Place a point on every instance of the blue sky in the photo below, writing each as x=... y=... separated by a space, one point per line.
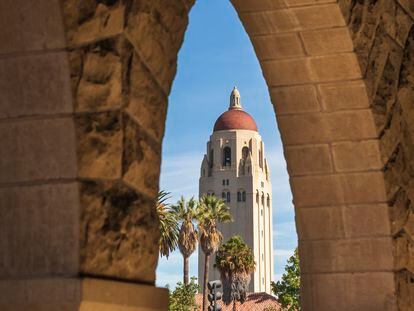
x=217 y=55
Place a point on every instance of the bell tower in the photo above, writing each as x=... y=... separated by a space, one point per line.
x=235 y=169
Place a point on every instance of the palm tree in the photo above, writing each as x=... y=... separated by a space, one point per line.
x=168 y=225
x=235 y=261
x=211 y=211
x=187 y=241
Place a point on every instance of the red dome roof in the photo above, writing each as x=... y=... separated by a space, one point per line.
x=235 y=119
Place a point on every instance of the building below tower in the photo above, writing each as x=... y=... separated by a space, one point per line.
x=235 y=169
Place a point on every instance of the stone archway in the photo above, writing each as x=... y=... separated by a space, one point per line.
x=85 y=87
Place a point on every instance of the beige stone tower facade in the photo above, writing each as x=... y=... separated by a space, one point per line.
x=235 y=169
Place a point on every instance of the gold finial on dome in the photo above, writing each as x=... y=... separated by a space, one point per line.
x=235 y=99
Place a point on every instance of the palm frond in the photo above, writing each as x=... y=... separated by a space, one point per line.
x=185 y=213
x=168 y=225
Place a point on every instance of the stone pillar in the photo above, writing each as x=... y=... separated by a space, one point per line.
x=84 y=95
x=332 y=151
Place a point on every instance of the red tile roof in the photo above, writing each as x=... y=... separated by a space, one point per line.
x=254 y=302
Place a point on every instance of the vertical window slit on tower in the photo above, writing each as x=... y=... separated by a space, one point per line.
x=226 y=156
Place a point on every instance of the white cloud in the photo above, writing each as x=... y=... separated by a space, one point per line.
x=180 y=173
x=280 y=259
x=284 y=230
x=283 y=253
x=277 y=277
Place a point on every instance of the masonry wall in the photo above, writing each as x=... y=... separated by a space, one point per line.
x=383 y=36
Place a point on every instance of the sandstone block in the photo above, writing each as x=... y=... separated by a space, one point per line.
x=349 y=291
x=30 y=25
x=292 y=3
x=338 y=189
x=327 y=41
x=189 y=3
x=118 y=295
x=119 y=232
x=398 y=23
x=343 y=95
x=35 y=85
x=252 y=5
x=157 y=37
x=311 y=69
x=366 y=220
x=391 y=137
x=335 y=222
x=99 y=144
x=39 y=230
x=308 y=160
x=346 y=255
x=294 y=19
x=405 y=289
x=404 y=252
x=335 y=67
x=320 y=223
x=47 y=291
x=294 y=99
x=147 y=104
x=322 y=128
x=408 y=6
x=105 y=22
x=100 y=87
x=277 y=46
x=37 y=149
x=287 y=72
x=141 y=159
x=357 y=156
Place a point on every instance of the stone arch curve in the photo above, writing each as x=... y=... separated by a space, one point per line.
x=93 y=140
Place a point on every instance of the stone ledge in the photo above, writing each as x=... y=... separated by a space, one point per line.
x=76 y=294
x=134 y=296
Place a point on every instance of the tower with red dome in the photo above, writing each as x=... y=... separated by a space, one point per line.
x=235 y=169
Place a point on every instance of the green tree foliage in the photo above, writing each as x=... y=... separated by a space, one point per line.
x=168 y=225
x=287 y=290
x=183 y=297
x=235 y=261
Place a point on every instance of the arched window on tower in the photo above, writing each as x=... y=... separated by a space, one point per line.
x=242 y=167
x=257 y=197
x=226 y=156
x=210 y=161
x=223 y=196
x=239 y=196
x=262 y=198
x=268 y=201
x=228 y=197
x=261 y=155
x=245 y=152
x=244 y=196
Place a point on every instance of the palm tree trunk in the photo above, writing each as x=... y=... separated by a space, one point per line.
x=234 y=304
x=205 y=281
x=185 y=272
